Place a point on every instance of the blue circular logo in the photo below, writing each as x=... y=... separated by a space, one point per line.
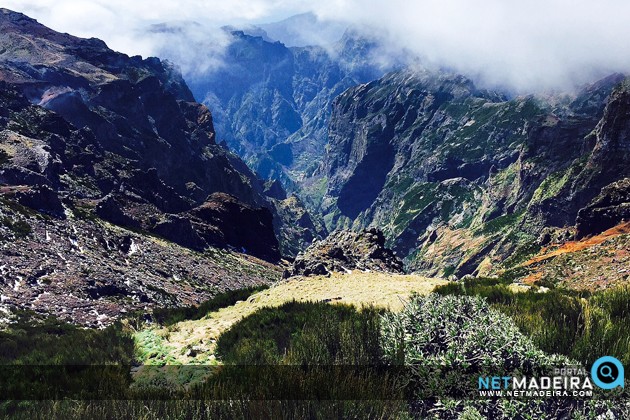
x=607 y=373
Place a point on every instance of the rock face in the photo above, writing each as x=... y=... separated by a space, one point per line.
x=609 y=209
x=272 y=103
x=224 y=219
x=463 y=180
x=346 y=250
x=81 y=122
x=91 y=137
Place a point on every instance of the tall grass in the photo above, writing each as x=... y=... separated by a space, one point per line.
x=579 y=325
x=299 y=333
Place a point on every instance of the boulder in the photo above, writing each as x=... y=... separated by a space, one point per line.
x=610 y=208
x=346 y=250
x=43 y=199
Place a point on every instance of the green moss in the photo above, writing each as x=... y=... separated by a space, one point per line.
x=555 y=182
x=20 y=228
x=500 y=223
x=150 y=349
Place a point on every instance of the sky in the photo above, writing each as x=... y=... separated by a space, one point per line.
x=526 y=45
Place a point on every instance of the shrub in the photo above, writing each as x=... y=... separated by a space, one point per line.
x=561 y=321
x=459 y=332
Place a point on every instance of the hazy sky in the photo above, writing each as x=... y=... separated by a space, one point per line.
x=525 y=44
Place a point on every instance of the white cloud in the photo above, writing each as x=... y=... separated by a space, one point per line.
x=528 y=45
x=531 y=44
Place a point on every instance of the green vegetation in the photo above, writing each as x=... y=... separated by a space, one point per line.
x=84 y=212
x=317 y=351
x=4 y=157
x=422 y=197
x=526 y=247
x=44 y=358
x=415 y=200
x=309 y=351
x=500 y=223
x=151 y=349
x=451 y=341
x=170 y=316
x=581 y=326
x=299 y=333
x=555 y=182
x=32 y=339
x=461 y=337
x=20 y=228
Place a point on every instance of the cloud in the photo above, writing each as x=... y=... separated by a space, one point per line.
x=186 y=32
x=526 y=45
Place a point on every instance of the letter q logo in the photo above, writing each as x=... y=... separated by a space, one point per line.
x=607 y=373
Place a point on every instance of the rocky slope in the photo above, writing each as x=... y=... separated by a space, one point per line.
x=91 y=272
x=93 y=135
x=464 y=180
x=344 y=251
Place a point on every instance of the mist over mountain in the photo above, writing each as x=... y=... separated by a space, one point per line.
x=305 y=29
x=464 y=180
x=271 y=103
x=529 y=47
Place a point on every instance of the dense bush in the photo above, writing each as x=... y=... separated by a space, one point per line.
x=579 y=325
x=300 y=333
x=460 y=332
x=452 y=340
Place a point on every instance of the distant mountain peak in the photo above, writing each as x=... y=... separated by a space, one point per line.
x=305 y=29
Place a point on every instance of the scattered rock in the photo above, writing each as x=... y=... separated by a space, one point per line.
x=345 y=250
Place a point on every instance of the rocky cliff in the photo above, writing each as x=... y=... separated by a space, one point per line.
x=464 y=180
x=90 y=136
x=344 y=251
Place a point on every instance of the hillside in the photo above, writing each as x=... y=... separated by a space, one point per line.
x=91 y=138
x=359 y=237
x=467 y=181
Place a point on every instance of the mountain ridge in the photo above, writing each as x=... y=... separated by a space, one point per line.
x=91 y=138
x=460 y=179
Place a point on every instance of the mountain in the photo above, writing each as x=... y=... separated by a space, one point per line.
x=271 y=103
x=91 y=138
x=464 y=180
